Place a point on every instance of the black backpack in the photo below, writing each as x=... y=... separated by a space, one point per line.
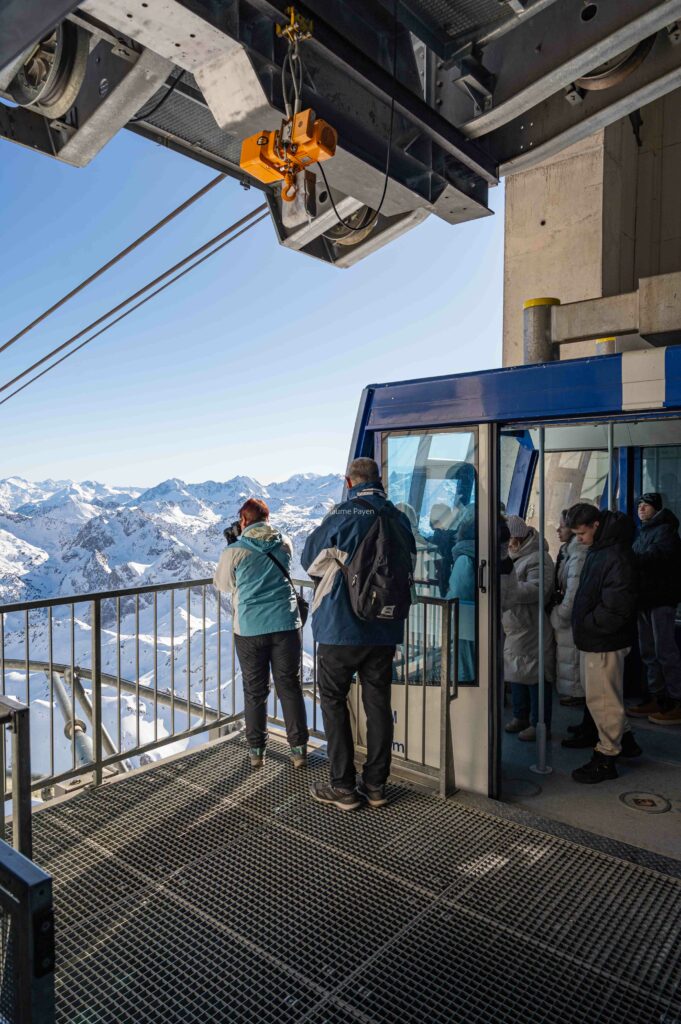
x=380 y=573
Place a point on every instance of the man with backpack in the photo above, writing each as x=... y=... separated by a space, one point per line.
x=362 y=558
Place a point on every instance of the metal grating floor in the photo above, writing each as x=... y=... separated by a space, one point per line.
x=200 y=891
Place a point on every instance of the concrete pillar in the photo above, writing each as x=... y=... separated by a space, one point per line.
x=594 y=219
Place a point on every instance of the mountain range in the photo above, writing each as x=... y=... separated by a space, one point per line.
x=61 y=537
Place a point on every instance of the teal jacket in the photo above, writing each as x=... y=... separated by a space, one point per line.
x=263 y=600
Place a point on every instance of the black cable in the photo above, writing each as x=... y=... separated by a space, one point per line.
x=171 y=90
x=132 y=309
x=377 y=211
x=135 y=295
x=116 y=259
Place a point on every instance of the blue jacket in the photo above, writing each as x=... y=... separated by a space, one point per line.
x=263 y=600
x=335 y=540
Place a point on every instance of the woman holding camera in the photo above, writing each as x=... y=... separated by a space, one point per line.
x=254 y=569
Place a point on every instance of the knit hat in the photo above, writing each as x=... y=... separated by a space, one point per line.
x=517 y=527
x=652 y=498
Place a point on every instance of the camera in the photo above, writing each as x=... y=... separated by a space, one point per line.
x=232 y=532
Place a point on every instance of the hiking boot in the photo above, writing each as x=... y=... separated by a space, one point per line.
x=343 y=799
x=649 y=707
x=298 y=756
x=572 y=702
x=374 y=795
x=529 y=735
x=670 y=717
x=630 y=747
x=516 y=725
x=256 y=756
x=580 y=741
x=599 y=769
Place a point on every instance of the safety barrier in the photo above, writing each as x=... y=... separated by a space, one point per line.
x=113 y=677
x=26 y=919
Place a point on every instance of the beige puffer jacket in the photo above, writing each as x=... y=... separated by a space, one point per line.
x=520 y=615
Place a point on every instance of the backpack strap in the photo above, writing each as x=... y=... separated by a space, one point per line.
x=279 y=566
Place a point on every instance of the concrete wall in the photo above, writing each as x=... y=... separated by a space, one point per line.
x=594 y=219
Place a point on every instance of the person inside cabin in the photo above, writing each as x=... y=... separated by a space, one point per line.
x=462 y=585
x=520 y=621
x=426 y=553
x=657 y=557
x=603 y=626
x=443 y=538
x=569 y=566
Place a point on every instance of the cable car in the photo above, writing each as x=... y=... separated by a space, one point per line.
x=532 y=440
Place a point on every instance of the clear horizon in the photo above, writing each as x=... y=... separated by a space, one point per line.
x=252 y=365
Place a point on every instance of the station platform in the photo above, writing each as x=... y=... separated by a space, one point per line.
x=199 y=891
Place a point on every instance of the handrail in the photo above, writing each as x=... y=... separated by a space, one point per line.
x=106 y=595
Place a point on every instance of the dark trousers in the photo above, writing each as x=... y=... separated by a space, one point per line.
x=525 y=702
x=279 y=652
x=337 y=665
x=659 y=652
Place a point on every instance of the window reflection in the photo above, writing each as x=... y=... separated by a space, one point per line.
x=431 y=477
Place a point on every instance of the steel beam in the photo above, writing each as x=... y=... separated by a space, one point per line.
x=355 y=63
x=559 y=45
x=24 y=22
x=556 y=123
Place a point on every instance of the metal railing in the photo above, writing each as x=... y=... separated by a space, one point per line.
x=26 y=917
x=112 y=677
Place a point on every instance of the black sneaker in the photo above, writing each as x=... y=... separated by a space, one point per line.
x=630 y=747
x=374 y=795
x=580 y=741
x=324 y=793
x=599 y=769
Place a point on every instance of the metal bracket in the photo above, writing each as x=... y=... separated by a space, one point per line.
x=574 y=95
x=674 y=33
x=476 y=81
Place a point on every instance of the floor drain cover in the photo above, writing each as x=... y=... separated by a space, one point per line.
x=651 y=803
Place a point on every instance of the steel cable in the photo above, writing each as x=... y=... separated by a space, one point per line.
x=131 y=298
x=132 y=309
x=116 y=259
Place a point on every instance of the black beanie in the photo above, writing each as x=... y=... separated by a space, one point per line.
x=652 y=498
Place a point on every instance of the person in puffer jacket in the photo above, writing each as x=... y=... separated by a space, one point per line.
x=267 y=628
x=657 y=556
x=568 y=571
x=520 y=621
x=603 y=625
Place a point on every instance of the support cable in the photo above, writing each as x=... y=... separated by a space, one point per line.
x=166 y=96
x=377 y=211
x=135 y=295
x=116 y=259
x=132 y=309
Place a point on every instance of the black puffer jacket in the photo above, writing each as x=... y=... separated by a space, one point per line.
x=604 y=612
x=657 y=555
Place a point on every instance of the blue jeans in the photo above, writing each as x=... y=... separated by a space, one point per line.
x=525 y=701
x=659 y=652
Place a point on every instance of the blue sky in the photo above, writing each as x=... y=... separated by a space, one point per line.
x=252 y=364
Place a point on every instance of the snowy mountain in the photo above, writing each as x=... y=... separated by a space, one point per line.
x=60 y=538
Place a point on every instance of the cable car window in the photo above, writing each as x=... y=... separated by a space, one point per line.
x=570 y=477
x=662 y=473
x=432 y=478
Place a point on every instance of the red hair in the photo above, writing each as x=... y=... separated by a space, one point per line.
x=254 y=511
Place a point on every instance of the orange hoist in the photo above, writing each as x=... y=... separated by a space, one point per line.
x=303 y=139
